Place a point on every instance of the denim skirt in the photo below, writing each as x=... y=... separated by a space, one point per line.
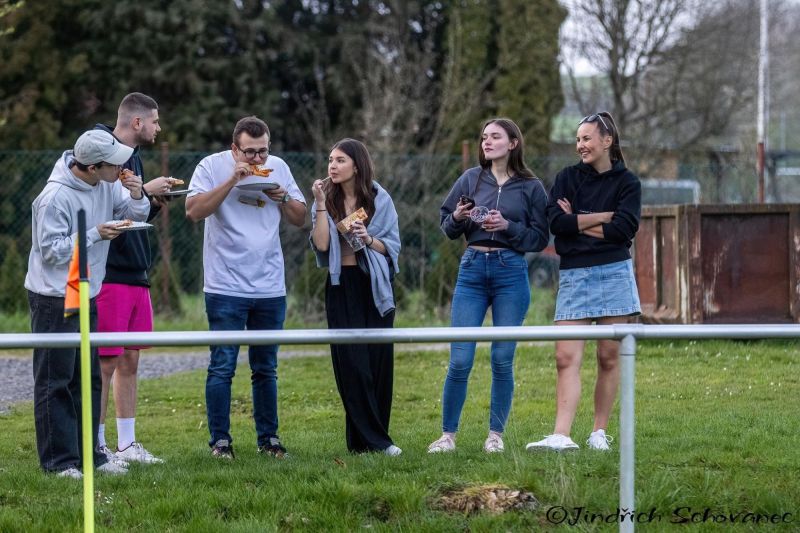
x=597 y=291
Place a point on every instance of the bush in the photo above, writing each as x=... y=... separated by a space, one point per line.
x=13 y=296
x=441 y=280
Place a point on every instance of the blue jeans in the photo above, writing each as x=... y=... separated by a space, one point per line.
x=226 y=313
x=498 y=280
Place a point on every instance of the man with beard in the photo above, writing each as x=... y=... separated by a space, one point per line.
x=124 y=300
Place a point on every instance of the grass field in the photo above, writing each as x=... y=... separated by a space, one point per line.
x=717 y=430
x=412 y=314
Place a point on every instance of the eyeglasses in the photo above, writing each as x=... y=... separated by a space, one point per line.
x=250 y=153
x=594 y=118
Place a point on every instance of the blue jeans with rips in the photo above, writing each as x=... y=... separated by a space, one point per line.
x=232 y=313
x=499 y=280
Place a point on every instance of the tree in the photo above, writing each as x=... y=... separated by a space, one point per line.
x=528 y=87
x=41 y=83
x=492 y=68
x=622 y=39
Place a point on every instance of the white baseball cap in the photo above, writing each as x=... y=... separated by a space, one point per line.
x=98 y=146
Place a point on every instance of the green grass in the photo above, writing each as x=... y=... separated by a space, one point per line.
x=413 y=313
x=716 y=428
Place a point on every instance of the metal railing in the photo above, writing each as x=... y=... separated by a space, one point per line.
x=627 y=333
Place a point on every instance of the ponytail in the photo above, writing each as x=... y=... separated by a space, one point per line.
x=609 y=127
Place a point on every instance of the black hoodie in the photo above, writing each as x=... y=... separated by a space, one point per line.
x=588 y=191
x=129 y=256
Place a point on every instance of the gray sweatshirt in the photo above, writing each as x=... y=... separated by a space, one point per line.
x=521 y=201
x=55 y=227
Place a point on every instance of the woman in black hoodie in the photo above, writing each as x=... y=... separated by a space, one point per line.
x=593 y=211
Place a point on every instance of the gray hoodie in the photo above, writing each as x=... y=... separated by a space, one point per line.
x=521 y=201
x=55 y=227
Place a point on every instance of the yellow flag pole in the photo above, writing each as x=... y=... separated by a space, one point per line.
x=86 y=381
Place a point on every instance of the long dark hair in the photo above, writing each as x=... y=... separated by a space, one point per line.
x=516 y=157
x=607 y=126
x=365 y=170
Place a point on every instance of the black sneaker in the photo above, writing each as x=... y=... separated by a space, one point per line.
x=222 y=449
x=274 y=448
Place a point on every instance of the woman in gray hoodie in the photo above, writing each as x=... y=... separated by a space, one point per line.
x=499 y=208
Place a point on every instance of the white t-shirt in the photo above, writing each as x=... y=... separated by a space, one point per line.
x=242 y=253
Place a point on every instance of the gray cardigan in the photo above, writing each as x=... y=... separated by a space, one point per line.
x=383 y=226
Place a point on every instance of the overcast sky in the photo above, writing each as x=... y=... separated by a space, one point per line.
x=581 y=65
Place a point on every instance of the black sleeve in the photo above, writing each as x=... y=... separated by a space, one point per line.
x=625 y=222
x=451 y=227
x=560 y=222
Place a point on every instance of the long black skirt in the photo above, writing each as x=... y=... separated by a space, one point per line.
x=364 y=372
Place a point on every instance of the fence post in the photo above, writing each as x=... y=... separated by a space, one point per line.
x=627 y=413
x=165 y=239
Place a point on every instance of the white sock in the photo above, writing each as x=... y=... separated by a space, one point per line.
x=126 y=433
x=101 y=436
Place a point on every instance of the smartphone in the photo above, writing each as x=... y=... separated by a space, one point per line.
x=466 y=200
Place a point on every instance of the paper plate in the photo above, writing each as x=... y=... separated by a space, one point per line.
x=265 y=186
x=173 y=193
x=133 y=227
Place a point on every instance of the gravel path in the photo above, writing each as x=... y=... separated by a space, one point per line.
x=16 y=374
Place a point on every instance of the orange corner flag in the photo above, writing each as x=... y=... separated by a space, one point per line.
x=72 y=301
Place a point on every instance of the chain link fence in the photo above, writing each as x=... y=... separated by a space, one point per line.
x=417 y=183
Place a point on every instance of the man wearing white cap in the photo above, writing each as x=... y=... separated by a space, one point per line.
x=84 y=178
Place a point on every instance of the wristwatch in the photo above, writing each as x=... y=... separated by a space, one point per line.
x=285 y=198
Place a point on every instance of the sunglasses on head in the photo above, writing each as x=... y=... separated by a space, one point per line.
x=595 y=118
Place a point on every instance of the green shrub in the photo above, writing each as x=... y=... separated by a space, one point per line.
x=13 y=296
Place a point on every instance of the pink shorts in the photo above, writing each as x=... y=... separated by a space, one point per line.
x=123 y=308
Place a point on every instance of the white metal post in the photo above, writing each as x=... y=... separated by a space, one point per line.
x=763 y=101
x=627 y=502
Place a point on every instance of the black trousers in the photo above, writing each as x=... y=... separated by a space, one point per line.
x=57 y=388
x=364 y=372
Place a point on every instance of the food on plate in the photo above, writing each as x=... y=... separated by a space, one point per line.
x=127 y=223
x=260 y=171
x=176 y=181
x=346 y=223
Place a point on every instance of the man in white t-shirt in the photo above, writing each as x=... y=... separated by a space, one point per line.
x=243 y=267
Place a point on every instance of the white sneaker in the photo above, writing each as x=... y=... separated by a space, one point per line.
x=72 y=472
x=494 y=444
x=598 y=440
x=136 y=453
x=112 y=467
x=445 y=443
x=555 y=442
x=112 y=457
x=393 y=451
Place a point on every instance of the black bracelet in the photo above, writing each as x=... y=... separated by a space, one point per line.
x=371 y=240
x=321 y=210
